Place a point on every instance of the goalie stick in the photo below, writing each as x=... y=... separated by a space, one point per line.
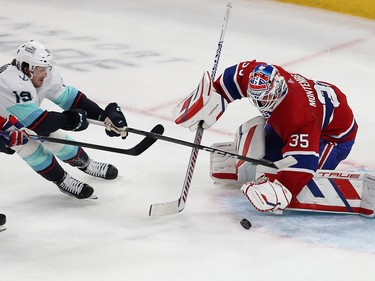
x=179 y=204
x=286 y=162
x=136 y=150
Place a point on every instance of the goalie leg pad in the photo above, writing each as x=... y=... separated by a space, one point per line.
x=334 y=191
x=223 y=167
x=368 y=197
x=250 y=140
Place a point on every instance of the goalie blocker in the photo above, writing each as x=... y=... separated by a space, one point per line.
x=204 y=105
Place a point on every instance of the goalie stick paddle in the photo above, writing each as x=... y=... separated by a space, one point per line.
x=136 y=150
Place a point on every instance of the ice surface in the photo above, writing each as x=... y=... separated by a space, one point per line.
x=148 y=55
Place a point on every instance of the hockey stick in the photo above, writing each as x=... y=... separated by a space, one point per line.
x=134 y=151
x=179 y=204
x=286 y=162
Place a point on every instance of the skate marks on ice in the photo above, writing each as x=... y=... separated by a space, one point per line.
x=351 y=232
x=89 y=52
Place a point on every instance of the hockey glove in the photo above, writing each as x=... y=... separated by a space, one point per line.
x=12 y=133
x=115 y=122
x=17 y=137
x=267 y=196
x=77 y=120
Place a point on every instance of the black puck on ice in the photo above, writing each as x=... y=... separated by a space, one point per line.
x=245 y=223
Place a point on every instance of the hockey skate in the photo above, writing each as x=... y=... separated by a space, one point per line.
x=100 y=170
x=3 y=220
x=73 y=187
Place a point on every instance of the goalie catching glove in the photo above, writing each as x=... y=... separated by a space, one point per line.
x=115 y=121
x=202 y=105
x=267 y=196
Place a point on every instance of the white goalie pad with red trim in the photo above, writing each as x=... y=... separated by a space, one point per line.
x=223 y=167
x=249 y=142
x=203 y=104
x=334 y=192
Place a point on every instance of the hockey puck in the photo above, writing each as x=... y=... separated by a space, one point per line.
x=245 y=223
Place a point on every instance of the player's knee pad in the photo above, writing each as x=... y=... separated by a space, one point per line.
x=250 y=142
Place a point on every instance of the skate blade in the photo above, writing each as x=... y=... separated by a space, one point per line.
x=93 y=197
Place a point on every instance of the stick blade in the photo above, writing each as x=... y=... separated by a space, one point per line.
x=147 y=142
x=167 y=208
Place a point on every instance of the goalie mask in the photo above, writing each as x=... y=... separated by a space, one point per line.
x=266 y=88
x=34 y=54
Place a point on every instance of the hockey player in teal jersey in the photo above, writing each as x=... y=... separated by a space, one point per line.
x=31 y=77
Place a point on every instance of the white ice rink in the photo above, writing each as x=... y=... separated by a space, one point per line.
x=147 y=55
